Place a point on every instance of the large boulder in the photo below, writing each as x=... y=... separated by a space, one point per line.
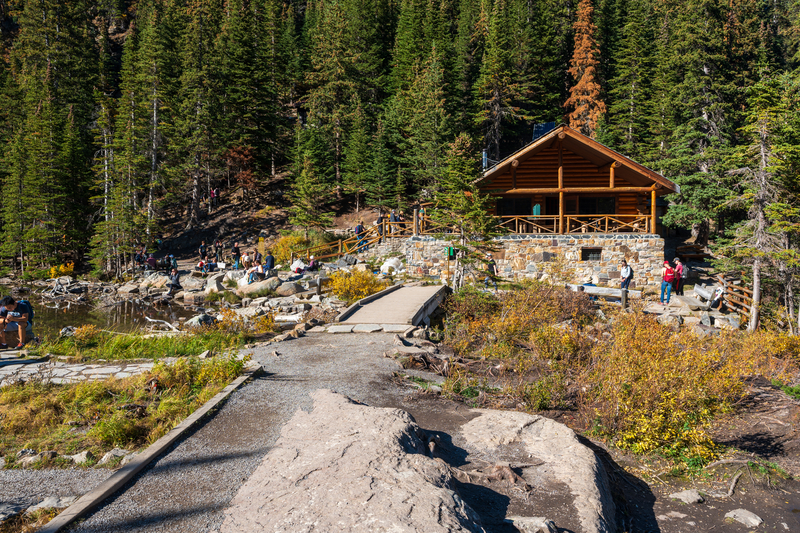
x=289 y=288
x=201 y=320
x=250 y=312
x=354 y=468
x=128 y=289
x=157 y=280
x=190 y=283
x=271 y=284
x=214 y=285
x=562 y=454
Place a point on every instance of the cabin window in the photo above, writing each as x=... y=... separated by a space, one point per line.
x=514 y=207
x=591 y=254
x=604 y=205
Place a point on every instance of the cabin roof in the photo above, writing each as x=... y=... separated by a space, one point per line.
x=588 y=149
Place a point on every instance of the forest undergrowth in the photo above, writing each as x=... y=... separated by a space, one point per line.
x=98 y=415
x=619 y=376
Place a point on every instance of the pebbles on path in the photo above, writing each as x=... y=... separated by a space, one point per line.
x=186 y=489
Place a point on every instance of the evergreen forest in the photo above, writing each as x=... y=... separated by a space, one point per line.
x=112 y=111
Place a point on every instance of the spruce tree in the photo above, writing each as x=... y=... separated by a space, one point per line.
x=310 y=197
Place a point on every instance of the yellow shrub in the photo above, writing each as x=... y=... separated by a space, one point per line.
x=264 y=324
x=352 y=286
x=655 y=389
x=87 y=334
x=62 y=270
x=283 y=248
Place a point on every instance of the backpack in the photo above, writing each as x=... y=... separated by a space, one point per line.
x=359 y=229
x=30 y=309
x=669 y=274
x=684 y=271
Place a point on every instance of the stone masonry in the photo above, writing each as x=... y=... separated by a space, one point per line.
x=534 y=256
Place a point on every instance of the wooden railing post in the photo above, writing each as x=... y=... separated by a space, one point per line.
x=416 y=222
x=653 y=211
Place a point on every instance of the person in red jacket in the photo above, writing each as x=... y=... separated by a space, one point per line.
x=667 y=277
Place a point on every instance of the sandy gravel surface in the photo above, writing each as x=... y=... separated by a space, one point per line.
x=186 y=489
x=29 y=487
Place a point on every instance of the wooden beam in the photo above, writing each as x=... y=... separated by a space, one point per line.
x=610 y=177
x=561 y=212
x=653 y=211
x=514 y=165
x=612 y=164
x=570 y=190
x=561 y=136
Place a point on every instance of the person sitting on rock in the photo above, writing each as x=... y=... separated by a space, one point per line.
x=246 y=260
x=313 y=265
x=174 y=283
x=202 y=266
x=256 y=273
x=151 y=262
x=15 y=316
x=269 y=261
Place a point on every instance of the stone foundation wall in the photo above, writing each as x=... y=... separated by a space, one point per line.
x=534 y=256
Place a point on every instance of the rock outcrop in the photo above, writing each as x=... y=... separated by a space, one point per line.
x=349 y=467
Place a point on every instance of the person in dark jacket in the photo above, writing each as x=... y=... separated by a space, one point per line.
x=269 y=261
x=174 y=282
x=15 y=316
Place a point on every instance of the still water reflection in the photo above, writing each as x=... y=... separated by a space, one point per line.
x=50 y=316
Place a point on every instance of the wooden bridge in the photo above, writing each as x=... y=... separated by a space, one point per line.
x=392 y=310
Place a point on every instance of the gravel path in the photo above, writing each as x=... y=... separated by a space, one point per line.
x=186 y=489
x=29 y=487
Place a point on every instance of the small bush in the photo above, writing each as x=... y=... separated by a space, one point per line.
x=352 y=286
x=87 y=335
x=62 y=270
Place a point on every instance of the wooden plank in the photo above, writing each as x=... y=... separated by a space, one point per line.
x=653 y=211
x=576 y=190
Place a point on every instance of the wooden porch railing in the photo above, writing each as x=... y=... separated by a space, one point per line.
x=515 y=224
x=606 y=224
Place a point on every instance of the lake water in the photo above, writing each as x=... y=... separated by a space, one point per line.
x=51 y=317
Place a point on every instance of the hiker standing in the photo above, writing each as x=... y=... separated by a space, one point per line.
x=667 y=277
x=680 y=274
x=625 y=274
x=203 y=251
x=235 y=255
x=491 y=271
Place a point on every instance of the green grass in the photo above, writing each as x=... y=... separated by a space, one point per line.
x=227 y=296
x=100 y=415
x=103 y=345
x=265 y=292
x=794 y=392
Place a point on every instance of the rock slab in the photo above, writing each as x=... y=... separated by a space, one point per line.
x=688 y=496
x=743 y=516
x=349 y=467
x=555 y=444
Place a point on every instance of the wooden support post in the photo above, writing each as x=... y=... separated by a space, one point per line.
x=416 y=221
x=611 y=177
x=560 y=186
x=514 y=165
x=653 y=211
x=624 y=298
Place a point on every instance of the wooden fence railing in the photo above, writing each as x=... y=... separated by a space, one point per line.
x=736 y=296
x=516 y=224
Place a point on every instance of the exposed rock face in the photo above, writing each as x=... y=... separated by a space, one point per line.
x=288 y=288
x=571 y=462
x=201 y=320
x=271 y=284
x=349 y=467
x=214 y=285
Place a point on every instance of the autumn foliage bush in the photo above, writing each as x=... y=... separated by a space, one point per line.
x=639 y=384
x=352 y=286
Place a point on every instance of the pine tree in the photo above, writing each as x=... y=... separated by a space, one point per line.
x=425 y=125
x=585 y=96
x=356 y=158
x=630 y=112
x=460 y=207
x=502 y=88
x=310 y=197
x=381 y=172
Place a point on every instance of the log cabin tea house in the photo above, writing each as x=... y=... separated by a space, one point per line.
x=567 y=195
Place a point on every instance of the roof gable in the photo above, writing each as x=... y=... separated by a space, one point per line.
x=591 y=152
